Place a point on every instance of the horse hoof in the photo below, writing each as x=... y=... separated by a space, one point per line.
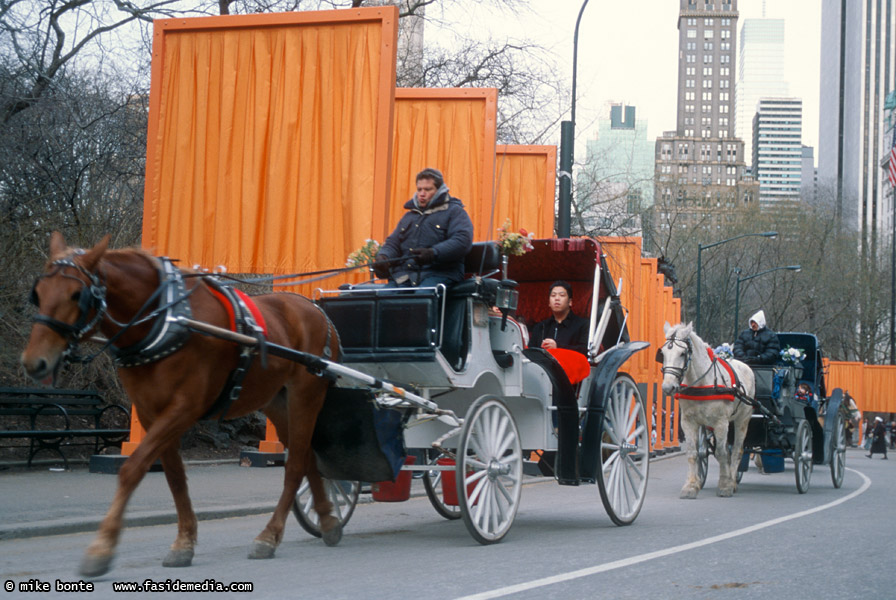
x=178 y=558
x=262 y=550
x=689 y=493
x=332 y=537
x=94 y=566
x=725 y=493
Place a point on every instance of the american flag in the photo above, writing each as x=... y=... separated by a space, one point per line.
x=893 y=161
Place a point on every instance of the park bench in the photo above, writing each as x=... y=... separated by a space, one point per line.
x=53 y=418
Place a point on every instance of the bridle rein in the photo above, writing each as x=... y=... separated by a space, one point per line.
x=677 y=372
x=91 y=297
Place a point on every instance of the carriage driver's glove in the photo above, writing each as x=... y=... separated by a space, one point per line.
x=381 y=266
x=423 y=256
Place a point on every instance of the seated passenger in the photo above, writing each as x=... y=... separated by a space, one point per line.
x=563 y=329
x=430 y=241
x=804 y=394
x=757 y=345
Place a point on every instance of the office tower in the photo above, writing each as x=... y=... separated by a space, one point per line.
x=760 y=74
x=858 y=40
x=700 y=168
x=777 y=150
x=616 y=182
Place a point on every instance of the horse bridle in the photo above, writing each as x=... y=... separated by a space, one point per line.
x=92 y=297
x=677 y=372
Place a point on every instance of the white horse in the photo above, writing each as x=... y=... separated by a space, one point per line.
x=689 y=370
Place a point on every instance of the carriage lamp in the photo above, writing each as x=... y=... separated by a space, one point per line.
x=506 y=299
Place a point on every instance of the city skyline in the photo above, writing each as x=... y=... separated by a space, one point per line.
x=632 y=59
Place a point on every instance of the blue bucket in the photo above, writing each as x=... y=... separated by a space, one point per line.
x=772 y=461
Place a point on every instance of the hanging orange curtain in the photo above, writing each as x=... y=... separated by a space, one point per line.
x=452 y=130
x=269 y=138
x=525 y=184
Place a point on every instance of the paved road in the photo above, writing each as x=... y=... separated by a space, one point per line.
x=766 y=542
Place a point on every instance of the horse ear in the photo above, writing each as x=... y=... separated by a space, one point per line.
x=92 y=256
x=57 y=244
x=666 y=328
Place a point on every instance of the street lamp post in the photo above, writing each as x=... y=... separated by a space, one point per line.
x=567 y=141
x=796 y=268
x=701 y=248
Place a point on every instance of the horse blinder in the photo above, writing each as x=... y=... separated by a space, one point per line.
x=659 y=355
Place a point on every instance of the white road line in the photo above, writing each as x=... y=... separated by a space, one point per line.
x=626 y=562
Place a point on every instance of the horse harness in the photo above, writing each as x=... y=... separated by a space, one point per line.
x=716 y=391
x=167 y=335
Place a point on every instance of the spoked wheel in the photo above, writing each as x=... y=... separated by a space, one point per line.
x=838 y=451
x=705 y=445
x=802 y=457
x=624 y=452
x=342 y=494
x=489 y=472
x=432 y=482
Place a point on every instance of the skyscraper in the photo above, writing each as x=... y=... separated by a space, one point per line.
x=616 y=181
x=699 y=167
x=858 y=40
x=777 y=149
x=760 y=74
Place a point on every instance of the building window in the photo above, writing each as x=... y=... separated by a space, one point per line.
x=725 y=59
x=724 y=71
x=707 y=71
x=689 y=95
x=707 y=46
x=691 y=71
x=725 y=22
x=689 y=83
x=692 y=45
x=723 y=96
x=692 y=33
x=692 y=22
x=707 y=59
x=708 y=22
x=707 y=97
x=688 y=108
x=725 y=34
x=725 y=46
x=724 y=83
x=690 y=58
x=723 y=108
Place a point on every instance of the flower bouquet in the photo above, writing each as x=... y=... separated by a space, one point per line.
x=514 y=243
x=724 y=351
x=792 y=355
x=364 y=255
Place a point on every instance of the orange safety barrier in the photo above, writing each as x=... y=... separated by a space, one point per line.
x=525 y=184
x=269 y=140
x=452 y=130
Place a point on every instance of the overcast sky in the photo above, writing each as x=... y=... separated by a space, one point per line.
x=628 y=52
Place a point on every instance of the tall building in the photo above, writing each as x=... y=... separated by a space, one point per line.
x=808 y=176
x=760 y=73
x=616 y=182
x=888 y=166
x=699 y=167
x=858 y=40
x=778 y=149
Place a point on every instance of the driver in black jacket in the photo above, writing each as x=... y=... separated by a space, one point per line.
x=757 y=345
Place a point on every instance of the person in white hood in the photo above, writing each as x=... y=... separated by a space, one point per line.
x=757 y=345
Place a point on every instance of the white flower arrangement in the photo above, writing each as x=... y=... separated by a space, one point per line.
x=724 y=351
x=793 y=355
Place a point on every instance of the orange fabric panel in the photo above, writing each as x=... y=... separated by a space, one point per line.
x=269 y=138
x=525 y=184
x=452 y=130
x=850 y=377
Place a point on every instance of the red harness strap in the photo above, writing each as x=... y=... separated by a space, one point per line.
x=253 y=308
x=711 y=392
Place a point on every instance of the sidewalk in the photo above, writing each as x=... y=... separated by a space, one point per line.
x=40 y=501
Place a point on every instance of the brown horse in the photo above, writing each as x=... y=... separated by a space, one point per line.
x=107 y=290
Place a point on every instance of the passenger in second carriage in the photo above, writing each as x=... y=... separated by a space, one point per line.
x=564 y=328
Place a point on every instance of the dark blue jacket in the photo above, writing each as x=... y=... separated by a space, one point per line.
x=444 y=226
x=758 y=347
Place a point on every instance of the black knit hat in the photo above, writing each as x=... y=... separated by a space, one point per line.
x=434 y=174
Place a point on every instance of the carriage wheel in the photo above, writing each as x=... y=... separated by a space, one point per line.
x=489 y=473
x=802 y=456
x=624 y=452
x=838 y=451
x=432 y=483
x=704 y=443
x=342 y=494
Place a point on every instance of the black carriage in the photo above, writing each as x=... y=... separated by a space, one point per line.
x=447 y=373
x=809 y=430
